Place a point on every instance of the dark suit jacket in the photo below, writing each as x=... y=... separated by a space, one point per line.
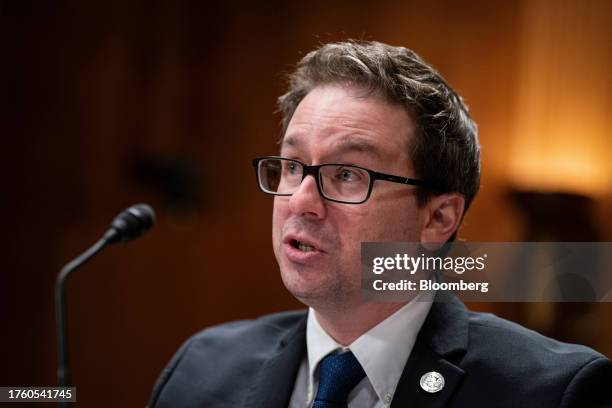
x=486 y=362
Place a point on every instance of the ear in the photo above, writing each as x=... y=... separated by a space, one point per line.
x=442 y=217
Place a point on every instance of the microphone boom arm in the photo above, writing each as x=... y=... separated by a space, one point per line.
x=128 y=225
x=63 y=373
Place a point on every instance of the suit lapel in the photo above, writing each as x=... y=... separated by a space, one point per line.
x=441 y=340
x=409 y=392
x=273 y=385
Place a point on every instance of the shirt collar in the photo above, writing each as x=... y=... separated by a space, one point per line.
x=318 y=344
x=382 y=351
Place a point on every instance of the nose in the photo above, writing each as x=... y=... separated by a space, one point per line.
x=306 y=200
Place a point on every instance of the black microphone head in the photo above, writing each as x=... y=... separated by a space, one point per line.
x=131 y=223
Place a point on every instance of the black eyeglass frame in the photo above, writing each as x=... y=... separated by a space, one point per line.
x=315 y=172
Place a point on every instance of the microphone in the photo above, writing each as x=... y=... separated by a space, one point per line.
x=128 y=225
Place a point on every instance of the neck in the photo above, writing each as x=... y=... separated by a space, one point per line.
x=345 y=325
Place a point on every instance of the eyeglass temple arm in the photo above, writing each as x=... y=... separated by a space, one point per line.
x=402 y=180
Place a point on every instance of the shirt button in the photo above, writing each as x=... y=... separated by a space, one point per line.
x=388 y=399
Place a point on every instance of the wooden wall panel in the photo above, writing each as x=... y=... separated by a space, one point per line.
x=108 y=105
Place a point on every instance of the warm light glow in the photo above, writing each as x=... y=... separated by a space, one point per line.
x=562 y=173
x=562 y=131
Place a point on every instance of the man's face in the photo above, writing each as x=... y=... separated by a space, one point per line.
x=341 y=124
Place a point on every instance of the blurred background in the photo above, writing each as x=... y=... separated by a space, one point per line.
x=105 y=104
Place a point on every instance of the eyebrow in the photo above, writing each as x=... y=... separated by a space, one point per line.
x=345 y=145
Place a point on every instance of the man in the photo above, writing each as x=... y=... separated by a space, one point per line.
x=376 y=147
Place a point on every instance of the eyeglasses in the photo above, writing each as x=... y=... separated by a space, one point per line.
x=340 y=183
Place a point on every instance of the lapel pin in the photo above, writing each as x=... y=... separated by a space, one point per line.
x=432 y=381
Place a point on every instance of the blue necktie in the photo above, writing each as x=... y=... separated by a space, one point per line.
x=338 y=375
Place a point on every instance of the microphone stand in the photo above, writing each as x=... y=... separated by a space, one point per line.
x=63 y=371
x=128 y=225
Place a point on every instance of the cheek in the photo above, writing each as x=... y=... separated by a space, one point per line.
x=279 y=211
x=352 y=226
x=380 y=220
x=401 y=222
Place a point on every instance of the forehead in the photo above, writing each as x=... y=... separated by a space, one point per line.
x=338 y=118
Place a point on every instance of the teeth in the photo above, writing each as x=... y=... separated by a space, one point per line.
x=305 y=247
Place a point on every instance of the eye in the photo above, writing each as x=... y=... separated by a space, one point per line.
x=292 y=167
x=348 y=174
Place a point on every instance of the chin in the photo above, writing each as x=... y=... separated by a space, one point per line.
x=304 y=287
x=315 y=289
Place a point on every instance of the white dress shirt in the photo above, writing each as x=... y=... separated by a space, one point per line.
x=382 y=352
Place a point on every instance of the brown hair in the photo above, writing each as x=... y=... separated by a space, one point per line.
x=445 y=151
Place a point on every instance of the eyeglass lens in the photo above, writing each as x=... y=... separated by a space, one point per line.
x=338 y=182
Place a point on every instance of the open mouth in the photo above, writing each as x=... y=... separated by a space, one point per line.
x=302 y=246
